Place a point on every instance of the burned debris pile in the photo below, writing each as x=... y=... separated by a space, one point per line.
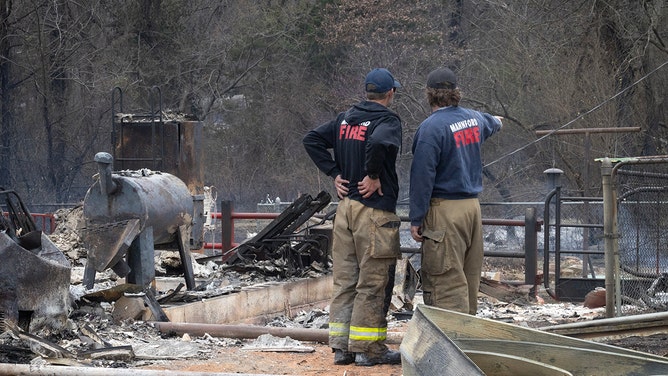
x=102 y=274
x=284 y=248
x=98 y=327
x=117 y=324
x=34 y=274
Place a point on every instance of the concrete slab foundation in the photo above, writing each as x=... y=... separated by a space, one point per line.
x=255 y=305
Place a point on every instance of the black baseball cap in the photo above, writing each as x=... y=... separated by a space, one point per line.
x=442 y=78
x=380 y=80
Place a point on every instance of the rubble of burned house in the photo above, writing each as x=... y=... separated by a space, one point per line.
x=100 y=290
x=116 y=324
x=108 y=325
x=34 y=274
x=107 y=265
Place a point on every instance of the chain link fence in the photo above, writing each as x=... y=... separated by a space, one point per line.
x=642 y=220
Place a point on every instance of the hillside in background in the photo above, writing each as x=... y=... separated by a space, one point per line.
x=260 y=74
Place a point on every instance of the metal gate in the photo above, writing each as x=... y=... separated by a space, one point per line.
x=573 y=250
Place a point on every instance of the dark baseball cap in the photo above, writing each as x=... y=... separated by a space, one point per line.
x=442 y=78
x=380 y=80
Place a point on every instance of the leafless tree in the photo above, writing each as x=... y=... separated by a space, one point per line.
x=260 y=74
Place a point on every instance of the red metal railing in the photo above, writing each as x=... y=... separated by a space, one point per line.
x=46 y=221
x=530 y=222
x=227 y=217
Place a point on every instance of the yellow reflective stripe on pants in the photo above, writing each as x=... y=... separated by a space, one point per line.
x=338 y=329
x=367 y=334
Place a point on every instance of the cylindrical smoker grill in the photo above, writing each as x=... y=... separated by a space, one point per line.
x=133 y=213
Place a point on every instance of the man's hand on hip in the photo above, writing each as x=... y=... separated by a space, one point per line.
x=368 y=186
x=341 y=186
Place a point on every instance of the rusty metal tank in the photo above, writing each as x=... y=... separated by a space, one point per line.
x=159 y=200
x=142 y=208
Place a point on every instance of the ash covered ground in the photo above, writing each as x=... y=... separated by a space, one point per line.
x=93 y=325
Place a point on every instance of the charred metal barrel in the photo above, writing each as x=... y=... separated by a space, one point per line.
x=159 y=200
x=135 y=212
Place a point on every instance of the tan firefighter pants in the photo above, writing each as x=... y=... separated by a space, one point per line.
x=452 y=254
x=364 y=252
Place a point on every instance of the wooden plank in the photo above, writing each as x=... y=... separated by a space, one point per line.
x=458 y=325
x=509 y=365
x=426 y=351
x=578 y=361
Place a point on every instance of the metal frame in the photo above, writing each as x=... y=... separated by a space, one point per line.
x=155 y=119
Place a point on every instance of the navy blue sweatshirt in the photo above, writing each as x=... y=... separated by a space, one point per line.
x=366 y=140
x=447 y=161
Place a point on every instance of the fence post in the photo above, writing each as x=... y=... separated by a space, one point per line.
x=227 y=225
x=610 y=236
x=530 y=249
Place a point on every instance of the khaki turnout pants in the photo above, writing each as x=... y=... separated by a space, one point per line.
x=364 y=252
x=452 y=254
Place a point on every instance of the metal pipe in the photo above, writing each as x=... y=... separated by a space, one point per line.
x=252 y=331
x=104 y=161
x=28 y=369
x=506 y=254
x=610 y=236
x=242 y=331
x=240 y=215
x=588 y=130
x=227 y=215
x=531 y=249
x=546 y=244
x=557 y=241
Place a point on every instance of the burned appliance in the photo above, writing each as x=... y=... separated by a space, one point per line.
x=129 y=214
x=34 y=273
x=285 y=247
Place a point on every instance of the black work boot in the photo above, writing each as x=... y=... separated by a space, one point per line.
x=342 y=357
x=388 y=357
